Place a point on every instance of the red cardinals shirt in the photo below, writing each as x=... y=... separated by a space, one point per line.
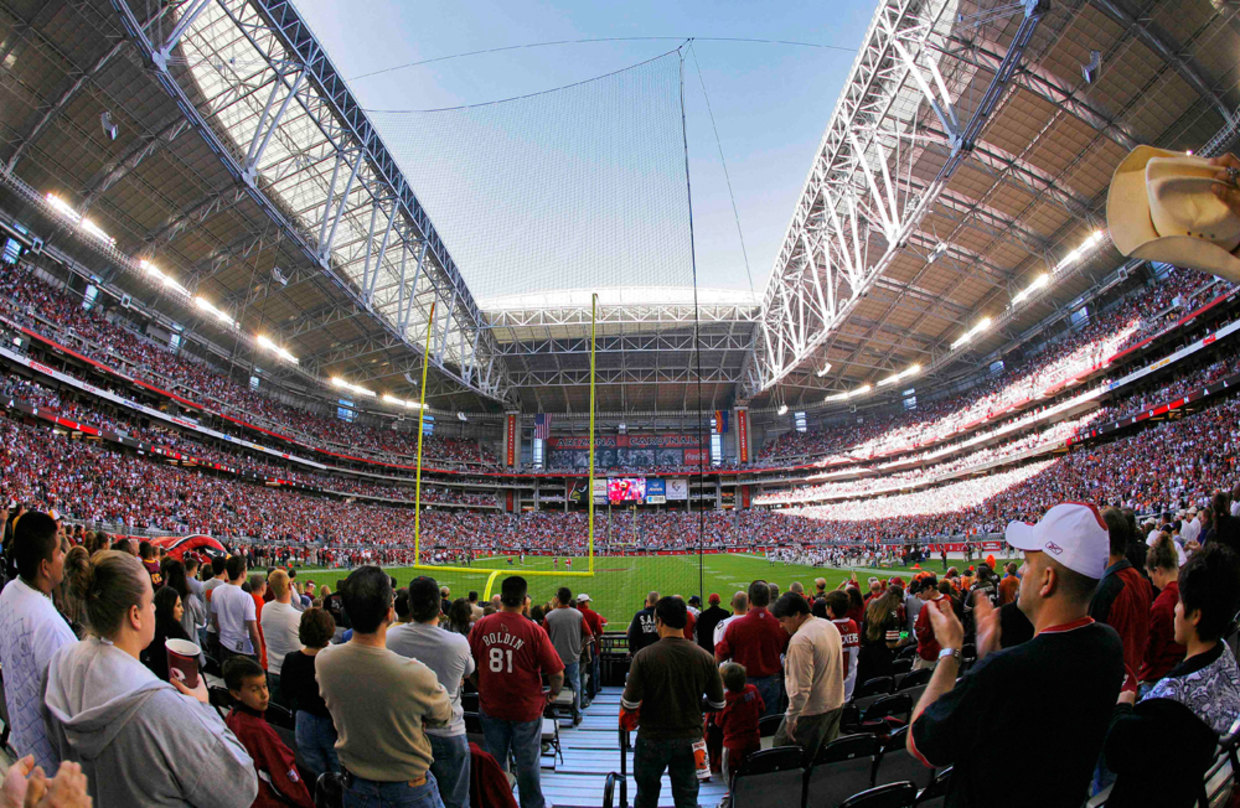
x=755 y=641
x=511 y=652
x=850 y=642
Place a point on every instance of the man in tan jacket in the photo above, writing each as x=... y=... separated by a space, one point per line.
x=813 y=677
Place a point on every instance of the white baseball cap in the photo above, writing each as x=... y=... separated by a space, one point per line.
x=1072 y=533
x=583 y=598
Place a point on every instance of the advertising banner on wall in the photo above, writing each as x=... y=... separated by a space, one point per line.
x=677 y=489
x=656 y=491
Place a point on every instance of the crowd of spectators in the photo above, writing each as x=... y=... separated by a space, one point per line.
x=1071 y=356
x=40 y=305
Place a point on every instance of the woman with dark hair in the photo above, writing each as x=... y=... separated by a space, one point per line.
x=856 y=604
x=136 y=736
x=168 y=614
x=1195 y=703
x=880 y=635
x=315 y=733
x=194 y=612
x=459 y=617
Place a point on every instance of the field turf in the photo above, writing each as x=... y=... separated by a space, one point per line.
x=620 y=583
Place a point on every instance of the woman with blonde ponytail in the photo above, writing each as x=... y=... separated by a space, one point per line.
x=140 y=741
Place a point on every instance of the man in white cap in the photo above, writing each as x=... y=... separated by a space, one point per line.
x=1057 y=690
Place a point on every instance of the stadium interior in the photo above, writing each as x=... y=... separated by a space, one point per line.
x=229 y=326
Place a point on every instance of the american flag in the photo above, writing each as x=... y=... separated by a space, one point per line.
x=542 y=426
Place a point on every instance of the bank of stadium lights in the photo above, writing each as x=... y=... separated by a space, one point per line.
x=847 y=394
x=1039 y=282
x=207 y=306
x=408 y=404
x=267 y=344
x=86 y=225
x=353 y=388
x=1076 y=255
x=981 y=326
x=911 y=370
x=161 y=276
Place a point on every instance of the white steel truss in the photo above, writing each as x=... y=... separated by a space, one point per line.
x=252 y=80
x=861 y=203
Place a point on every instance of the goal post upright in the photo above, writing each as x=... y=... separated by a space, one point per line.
x=590 y=485
x=417 y=478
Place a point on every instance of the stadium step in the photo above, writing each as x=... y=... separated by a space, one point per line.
x=591 y=751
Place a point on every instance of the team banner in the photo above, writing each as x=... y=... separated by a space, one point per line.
x=510 y=440
x=742 y=436
x=677 y=489
x=656 y=491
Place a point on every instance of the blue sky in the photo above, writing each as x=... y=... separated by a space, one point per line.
x=771 y=104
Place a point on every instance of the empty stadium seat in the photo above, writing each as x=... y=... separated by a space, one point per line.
x=280 y=716
x=895 y=763
x=767 y=726
x=770 y=778
x=897 y=705
x=915 y=678
x=901 y=665
x=877 y=686
x=891 y=795
x=842 y=768
x=935 y=794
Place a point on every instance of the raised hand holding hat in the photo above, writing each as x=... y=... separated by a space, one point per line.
x=1178 y=209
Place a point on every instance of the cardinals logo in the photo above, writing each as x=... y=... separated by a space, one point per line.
x=1051 y=547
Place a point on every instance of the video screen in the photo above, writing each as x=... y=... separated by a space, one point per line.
x=626 y=489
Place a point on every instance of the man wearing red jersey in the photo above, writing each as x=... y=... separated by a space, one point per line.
x=511 y=653
x=850 y=637
x=757 y=641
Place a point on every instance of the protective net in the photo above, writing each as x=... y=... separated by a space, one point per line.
x=582 y=187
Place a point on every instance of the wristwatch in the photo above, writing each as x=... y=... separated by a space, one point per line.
x=954 y=653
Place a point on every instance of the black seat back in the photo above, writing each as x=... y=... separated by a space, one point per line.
x=874 y=687
x=770 y=778
x=898 y=705
x=935 y=794
x=915 y=678
x=842 y=768
x=895 y=764
x=891 y=795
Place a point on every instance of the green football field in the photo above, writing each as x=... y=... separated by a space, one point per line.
x=619 y=584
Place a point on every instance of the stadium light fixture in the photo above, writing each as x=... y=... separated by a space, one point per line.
x=352 y=388
x=206 y=305
x=1038 y=283
x=96 y=231
x=981 y=326
x=836 y=397
x=388 y=398
x=460 y=416
x=860 y=391
x=937 y=252
x=783 y=409
x=1079 y=252
x=63 y=208
x=268 y=344
x=823 y=371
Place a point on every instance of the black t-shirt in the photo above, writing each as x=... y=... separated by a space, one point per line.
x=642 y=631
x=298 y=685
x=1040 y=708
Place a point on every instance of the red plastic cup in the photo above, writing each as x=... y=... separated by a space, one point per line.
x=183 y=661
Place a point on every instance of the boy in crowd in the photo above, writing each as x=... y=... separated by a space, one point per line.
x=739 y=719
x=279 y=783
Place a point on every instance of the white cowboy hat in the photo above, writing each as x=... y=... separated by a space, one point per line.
x=1160 y=207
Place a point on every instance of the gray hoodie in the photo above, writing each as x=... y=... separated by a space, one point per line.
x=139 y=740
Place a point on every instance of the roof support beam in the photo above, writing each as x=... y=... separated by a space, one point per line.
x=1160 y=41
